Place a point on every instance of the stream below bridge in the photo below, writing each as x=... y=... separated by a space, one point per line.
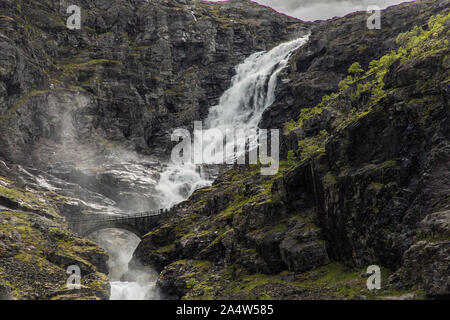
x=240 y=108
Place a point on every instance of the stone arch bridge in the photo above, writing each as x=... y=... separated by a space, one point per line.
x=137 y=223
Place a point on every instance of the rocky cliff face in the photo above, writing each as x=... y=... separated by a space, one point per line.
x=36 y=249
x=80 y=104
x=366 y=145
x=86 y=118
x=135 y=69
x=319 y=66
x=81 y=110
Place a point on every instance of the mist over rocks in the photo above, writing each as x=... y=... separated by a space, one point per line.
x=364 y=175
x=92 y=101
x=86 y=117
x=163 y=68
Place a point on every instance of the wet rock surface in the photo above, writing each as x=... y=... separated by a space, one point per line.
x=35 y=253
x=86 y=115
x=86 y=118
x=93 y=117
x=317 y=68
x=364 y=181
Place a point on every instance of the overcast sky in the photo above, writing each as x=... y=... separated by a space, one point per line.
x=323 y=9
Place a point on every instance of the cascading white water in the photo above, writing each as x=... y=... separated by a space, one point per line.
x=240 y=108
x=177 y=183
x=252 y=89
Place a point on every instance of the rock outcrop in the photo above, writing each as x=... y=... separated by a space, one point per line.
x=86 y=117
x=364 y=182
x=135 y=70
x=36 y=250
x=82 y=110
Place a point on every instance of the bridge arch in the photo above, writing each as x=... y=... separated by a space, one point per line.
x=121 y=226
x=138 y=224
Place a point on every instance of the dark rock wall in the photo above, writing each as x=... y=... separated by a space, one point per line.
x=96 y=96
x=140 y=67
x=369 y=183
x=317 y=68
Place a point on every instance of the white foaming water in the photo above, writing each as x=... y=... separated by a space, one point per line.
x=252 y=89
x=240 y=108
x=177 y=183
x=138 y=284
x=124 y=290
x=121 y=290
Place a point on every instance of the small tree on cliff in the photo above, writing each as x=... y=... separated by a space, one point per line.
x=355 y=69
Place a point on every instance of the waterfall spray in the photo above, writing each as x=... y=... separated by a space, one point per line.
x=240 y=109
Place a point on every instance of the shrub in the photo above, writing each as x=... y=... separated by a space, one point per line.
x=355 y=68
x=190 y=283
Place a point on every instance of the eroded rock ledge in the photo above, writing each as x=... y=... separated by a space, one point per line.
x=78 y=109
x=364 y=181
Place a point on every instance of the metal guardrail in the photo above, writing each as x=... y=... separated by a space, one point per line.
x=118 y=217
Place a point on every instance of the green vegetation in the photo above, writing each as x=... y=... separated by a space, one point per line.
x=305 y=114
x=389 y=164
x=190 y=283
x=313 y=146
x=29 y=200
x=291 y=158
x=358 y=83
x=414 y=44
x=41 y=253
x=34 y=262
x=355 y=68
x=167 y=248
x=419 y=42
x=331 y=281
x=21 y=101
x=330 y=178
x=309 y=113
x=265 y=296
x=71 y=68
x=352 y=117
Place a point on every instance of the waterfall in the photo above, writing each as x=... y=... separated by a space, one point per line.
x=252 y=89
x=240 y=108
